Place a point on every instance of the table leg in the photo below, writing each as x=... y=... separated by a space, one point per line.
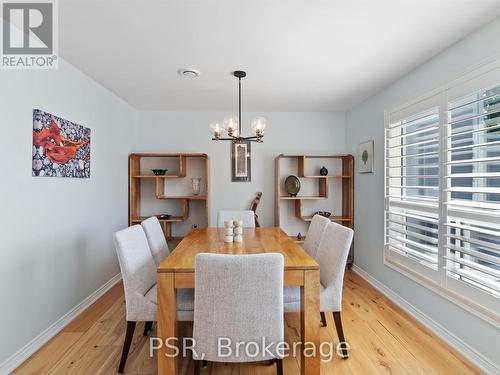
x=309 y=321
x=167 y=322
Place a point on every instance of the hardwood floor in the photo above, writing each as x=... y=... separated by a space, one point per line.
x=383 y=339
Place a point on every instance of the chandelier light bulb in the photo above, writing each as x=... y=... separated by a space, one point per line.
x=231 y=125
x=258 y=126
x=216 y=129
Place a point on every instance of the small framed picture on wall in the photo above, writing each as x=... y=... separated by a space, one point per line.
x=365 y=157
x=241 y=162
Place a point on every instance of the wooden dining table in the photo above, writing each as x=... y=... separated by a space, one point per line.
x=178 y=271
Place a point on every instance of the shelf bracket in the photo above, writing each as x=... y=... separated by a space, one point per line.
x=323 y=187
x=160 y=188
x=182 y=166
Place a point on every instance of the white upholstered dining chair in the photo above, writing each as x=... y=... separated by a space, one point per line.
x=315 y=234
x=156 y=239
x=246 y=216
x=239 y=298
x=332 y=258
x=139 y=281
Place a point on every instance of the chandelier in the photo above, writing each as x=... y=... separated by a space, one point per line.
x=232 y=125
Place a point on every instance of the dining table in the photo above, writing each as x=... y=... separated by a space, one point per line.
x=178 y=271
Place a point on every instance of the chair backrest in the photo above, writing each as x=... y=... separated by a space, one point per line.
x=332 y=255
x=156 y=239
x=238 y=297
x=136 y=263
x=248 y=218
x=315 y=234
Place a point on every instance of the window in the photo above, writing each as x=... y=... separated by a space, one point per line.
x=412 y=151
x=442 y=192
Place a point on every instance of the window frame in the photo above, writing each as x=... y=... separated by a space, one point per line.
x=458 y=292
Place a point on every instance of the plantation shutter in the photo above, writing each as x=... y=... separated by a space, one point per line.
x=442 y=191
x=472 y=173
x=412 y=188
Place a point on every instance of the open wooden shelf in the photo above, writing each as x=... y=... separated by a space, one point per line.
x=158 y=177
x=299 y=198
x=177 y=164
x=299 y=207
x=332 y=177
x=332 y=218
x=187 y=197
x=172 y=219
x=343 y=172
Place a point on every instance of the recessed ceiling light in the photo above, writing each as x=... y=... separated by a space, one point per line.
x=190 y=73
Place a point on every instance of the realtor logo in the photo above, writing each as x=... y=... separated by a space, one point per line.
x=29 y=39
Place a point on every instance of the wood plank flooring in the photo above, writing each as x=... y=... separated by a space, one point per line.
x=383 y=339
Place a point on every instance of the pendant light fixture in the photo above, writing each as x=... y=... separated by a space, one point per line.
x=232 y=125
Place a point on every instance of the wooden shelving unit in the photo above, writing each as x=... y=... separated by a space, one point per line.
x=343 y=189
x=140 y=178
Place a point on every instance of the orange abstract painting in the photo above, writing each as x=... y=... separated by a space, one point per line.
x=61 y=148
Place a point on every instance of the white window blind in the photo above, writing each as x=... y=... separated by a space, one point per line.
x=442 y=192
x=412 y=182
x=473 y=192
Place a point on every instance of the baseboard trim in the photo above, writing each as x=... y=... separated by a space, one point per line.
x=455 y=342
x=14 y=361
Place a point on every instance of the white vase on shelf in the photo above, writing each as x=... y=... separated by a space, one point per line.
x=196 y=185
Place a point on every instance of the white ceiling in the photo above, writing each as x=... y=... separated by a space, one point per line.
x=300 y=55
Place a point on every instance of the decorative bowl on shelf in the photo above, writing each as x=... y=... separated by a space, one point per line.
x=159 y=172
x=324 y=213
x=292 y=185
x=163 y=217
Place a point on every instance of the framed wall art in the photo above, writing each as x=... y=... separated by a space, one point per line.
x=365 y=157
x=241 y=162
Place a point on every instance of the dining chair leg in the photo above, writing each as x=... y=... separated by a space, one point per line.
x=340 y=333
x=126 y=345
x=279 y=366
x=197 y=367
x=147 y=327
x=323 y=319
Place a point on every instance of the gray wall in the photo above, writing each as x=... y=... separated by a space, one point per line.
x=56 y=233
x=286 y=133
x=366 y=122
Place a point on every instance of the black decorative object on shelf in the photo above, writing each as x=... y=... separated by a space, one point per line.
x=163 y=217
x=324 y=213
x=159 y=172
x=292 y=185
x=323 y=171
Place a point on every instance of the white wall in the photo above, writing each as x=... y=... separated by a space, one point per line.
x=286 y=133
x=366 y=122
x=56 y=233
